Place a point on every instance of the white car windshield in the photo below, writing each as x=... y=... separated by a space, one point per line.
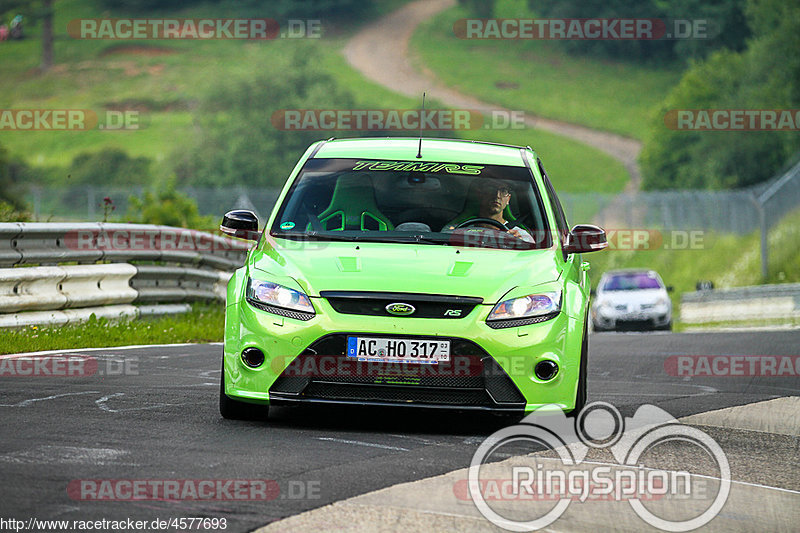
x=632 y=282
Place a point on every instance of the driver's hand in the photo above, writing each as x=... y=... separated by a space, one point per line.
x=524 y=236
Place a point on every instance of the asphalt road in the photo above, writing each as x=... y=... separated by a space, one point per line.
x=151 y=413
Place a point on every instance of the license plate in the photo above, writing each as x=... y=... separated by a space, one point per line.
x=398 y=350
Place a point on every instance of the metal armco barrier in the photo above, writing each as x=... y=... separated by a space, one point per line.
x=741 y=304
x=118 y=265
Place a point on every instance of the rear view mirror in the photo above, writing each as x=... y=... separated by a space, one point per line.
x=585 y=238
x=240 y=223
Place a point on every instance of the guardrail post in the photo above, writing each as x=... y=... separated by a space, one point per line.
x=762 y=224
x=90 y=203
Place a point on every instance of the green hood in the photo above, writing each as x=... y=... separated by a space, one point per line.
x=389 y=267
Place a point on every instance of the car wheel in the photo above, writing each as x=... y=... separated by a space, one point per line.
x=581 y=395
x=236 y=410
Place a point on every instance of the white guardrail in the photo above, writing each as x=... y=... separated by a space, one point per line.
x=760 y=302
x=59 y=273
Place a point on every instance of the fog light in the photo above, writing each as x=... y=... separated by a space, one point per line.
x=546 y=370
x=253 y=357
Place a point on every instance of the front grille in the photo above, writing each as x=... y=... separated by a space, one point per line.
x=398 y=394
x=426 y=305
x=470 y=379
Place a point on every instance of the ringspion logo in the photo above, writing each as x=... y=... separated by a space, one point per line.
x=536 y=482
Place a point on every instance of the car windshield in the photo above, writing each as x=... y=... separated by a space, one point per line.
x=632 y=282
x=414 y=203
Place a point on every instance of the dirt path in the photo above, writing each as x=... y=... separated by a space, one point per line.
x=380 y=51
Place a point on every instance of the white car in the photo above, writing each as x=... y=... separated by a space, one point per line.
x=631 y=298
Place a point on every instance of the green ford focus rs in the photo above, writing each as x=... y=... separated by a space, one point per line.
x=399 y=272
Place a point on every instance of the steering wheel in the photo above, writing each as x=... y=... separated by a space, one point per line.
x=473 y=221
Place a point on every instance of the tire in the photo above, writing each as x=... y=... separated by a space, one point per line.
x=235 y=410
x=582 y=395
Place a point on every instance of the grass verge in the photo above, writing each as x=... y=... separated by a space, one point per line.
x=540 y=78
x=777 y=323
x=205 y=323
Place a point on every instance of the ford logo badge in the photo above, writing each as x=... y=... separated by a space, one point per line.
x=400 y=309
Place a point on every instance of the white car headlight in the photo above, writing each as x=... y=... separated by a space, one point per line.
x=603 y=304
x=269 y=293
x=533 y=305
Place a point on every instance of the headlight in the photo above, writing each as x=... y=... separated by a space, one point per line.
x=529 y=306
x=662 y=301
x=269 y=293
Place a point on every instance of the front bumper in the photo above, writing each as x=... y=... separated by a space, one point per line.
x=611 y=319
x=491 y=369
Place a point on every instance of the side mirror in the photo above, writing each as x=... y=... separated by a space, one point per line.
x=670 y=288
x=593 y=292
x=240 y=223
x=585 y=238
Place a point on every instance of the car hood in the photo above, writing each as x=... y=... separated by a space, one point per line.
x=388 y=267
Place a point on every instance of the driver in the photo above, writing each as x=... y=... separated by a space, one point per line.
x=493 y=197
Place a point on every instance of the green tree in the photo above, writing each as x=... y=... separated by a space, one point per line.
x=167 y=206
x=110 y=166
x=764 y=76
x=237 y=142
x=726 y=26
x=10 y=189
x=479 y=8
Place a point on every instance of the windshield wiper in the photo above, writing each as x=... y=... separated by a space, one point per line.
x=416 y=239
x=360 y=237
x=317 y=236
